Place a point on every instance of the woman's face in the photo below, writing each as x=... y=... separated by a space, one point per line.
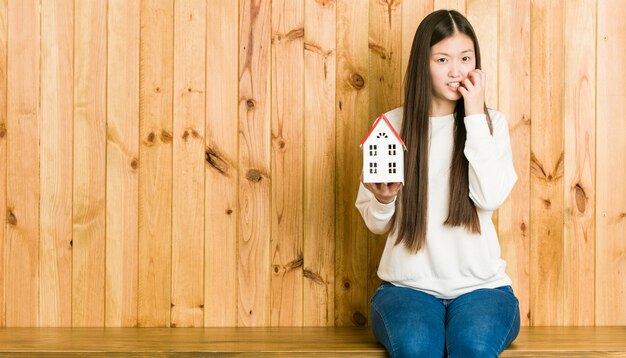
x=451 y=59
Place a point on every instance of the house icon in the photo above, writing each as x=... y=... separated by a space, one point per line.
x=383 y=154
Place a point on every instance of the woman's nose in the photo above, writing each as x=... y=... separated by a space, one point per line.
x=454 y=71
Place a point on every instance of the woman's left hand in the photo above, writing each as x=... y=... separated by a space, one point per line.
x=473 y=91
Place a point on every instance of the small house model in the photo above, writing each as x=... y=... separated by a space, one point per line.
x=383 y=154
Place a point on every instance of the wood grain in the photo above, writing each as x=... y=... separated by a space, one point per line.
x=483 y=15
x=55 y=254
x=90 y=73
x=254 y=163
x=320 y=63
x=3 y=154
x=188 y=157
x=579 y=181
x=514 y=102
x=546 y=167
x=122 y=165
x=287 y=162
x=385 y=93
x=294 y=342
x=610 y=166
x=220 y=269
x=413 y=12
x=458 y=5
x=23 y=160
x=277 y=186
x=156 y=65
x=353 y=121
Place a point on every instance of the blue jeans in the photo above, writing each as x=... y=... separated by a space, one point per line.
x=411 y=323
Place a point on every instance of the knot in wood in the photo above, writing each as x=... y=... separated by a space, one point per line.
x=324 y=3
x=346 y=285
x=250 y=104
x=357 y=81
x=359 y=319
x=254 y=175
x=3 y=132
x=166 y=137
x=581 y=199
x=547 y=203
x=316 y=278
x=151 y=138
x=134 y=164
x=11 y=219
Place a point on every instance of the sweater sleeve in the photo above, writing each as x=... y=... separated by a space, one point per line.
x=491 y=171
x=377 y=216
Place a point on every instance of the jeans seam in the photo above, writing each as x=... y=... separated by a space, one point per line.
x=508 y=331
x=383 y=318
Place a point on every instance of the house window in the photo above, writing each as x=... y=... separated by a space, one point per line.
x=382 y=135
x=372 y=149
x=392 y=149
x=392 y=168
x=372 y=168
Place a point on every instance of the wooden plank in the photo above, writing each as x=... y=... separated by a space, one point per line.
x=483 y=15
x=579 y=180
x=458 y=5
x=290 y=342
x=320 y=58
x=413 y=12
x=3 y=154
x=90 y=68
x=23 y=159
x=385 y=94
x=188 y=180
x=156 y=64
x=223 y=341
x=254 y=163
x=286 y=162
x=568 y=342
x=220 y=250
x=55 y=255
x=546 y=181
x=513 y=95
x=353 y=121
x=610 y=166
x=122 y=163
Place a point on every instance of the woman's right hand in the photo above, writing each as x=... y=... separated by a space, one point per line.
x=385 y=193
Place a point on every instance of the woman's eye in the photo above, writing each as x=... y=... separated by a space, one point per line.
x=442 y=60
x=466 y=59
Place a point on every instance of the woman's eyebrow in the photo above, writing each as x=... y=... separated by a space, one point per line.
x=445 y=54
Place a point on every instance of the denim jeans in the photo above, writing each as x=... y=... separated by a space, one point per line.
x=411 y=323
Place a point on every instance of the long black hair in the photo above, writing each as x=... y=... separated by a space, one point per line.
x=412 y=205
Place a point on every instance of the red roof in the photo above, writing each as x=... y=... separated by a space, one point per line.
x=384 y=118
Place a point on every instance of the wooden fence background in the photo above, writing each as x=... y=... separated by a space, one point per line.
x=195 y=163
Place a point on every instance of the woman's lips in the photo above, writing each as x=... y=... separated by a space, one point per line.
x=454 y=86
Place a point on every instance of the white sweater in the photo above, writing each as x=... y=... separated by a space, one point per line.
x=453 y=261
